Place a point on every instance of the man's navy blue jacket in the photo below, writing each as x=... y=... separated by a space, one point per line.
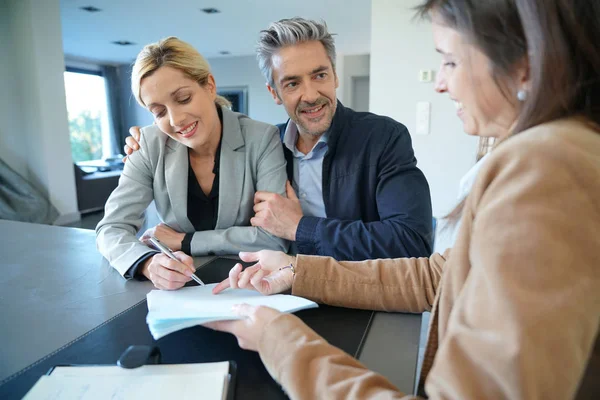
x=377 y=201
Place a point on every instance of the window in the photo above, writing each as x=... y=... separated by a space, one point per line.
x=87 y=108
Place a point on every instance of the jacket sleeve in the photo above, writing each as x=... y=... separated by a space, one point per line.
x=270 y=177
x=404 y=228
x=392 y=285
x=307 y=367
x=304 y=363
x=124 y=213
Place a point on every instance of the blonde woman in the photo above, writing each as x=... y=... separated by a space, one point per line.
x=201 y=163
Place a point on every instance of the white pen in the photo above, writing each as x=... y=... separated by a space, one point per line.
x=165 y=250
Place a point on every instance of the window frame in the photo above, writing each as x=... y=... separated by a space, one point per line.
x=78 y=70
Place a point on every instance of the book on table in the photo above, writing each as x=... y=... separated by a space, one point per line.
x=210 y=381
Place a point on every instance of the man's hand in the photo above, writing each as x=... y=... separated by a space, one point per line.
x=276 y=214
x=165 y=234
x=168 y=274
x=132 y=143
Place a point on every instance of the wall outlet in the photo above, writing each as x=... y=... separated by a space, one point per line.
x=426 y=75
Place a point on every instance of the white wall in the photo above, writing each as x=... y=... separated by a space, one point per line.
x=12 y=141
x=354 y=66
x=35 y=63
x=400 y=47
x=244 y=71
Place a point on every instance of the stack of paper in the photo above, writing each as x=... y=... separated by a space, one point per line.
x=170 y=311
x=176 y=381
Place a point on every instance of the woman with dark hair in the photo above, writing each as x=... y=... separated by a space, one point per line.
x=516 y=312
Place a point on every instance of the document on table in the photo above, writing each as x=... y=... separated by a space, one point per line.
x=209 y=381
x=170 y=311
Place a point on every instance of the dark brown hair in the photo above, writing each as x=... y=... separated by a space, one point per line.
x=495 y=29
x=563 y=38
x=492 y=26
x=559 y=38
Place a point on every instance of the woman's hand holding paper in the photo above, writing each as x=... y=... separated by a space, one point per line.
x=248 y=330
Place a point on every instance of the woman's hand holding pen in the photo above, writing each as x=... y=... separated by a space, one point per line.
x=266 y=276
x=168 y=274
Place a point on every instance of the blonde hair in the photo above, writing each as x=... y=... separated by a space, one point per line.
x=175 y=53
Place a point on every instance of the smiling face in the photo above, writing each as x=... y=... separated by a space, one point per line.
x=466 y=75
x=182 y=108
x=305 y=84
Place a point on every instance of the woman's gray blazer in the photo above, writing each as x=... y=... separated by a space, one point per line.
x=251 y=160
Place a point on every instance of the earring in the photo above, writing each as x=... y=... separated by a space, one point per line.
x=522 y=95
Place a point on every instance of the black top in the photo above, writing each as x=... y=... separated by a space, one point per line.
x=202 y=209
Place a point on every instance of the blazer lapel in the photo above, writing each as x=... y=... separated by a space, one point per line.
x=231 y=170
x=176 y=177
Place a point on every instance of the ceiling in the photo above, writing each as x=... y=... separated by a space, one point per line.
x=235 y=29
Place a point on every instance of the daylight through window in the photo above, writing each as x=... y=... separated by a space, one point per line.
x=87 y=108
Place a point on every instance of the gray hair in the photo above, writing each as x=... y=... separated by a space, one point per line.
x=289 y=32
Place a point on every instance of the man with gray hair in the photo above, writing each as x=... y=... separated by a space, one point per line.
x=360 y=193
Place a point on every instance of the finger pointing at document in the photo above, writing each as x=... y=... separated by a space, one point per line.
x=273 y=273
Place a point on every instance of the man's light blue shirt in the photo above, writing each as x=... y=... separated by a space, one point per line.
x=308 y=172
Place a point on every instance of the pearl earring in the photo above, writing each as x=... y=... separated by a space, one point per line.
x=522 y=95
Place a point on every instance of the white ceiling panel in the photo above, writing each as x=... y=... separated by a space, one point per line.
x=235 y=29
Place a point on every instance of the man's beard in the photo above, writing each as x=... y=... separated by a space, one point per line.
x=328 y=116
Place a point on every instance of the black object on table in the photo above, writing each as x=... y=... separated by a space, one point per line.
x=344 y=328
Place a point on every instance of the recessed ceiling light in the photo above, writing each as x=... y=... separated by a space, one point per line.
x=210 y=10
x=224 y=52
x=122 y=42
x=91 y=9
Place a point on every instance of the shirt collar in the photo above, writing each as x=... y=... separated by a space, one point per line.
x=291 y=136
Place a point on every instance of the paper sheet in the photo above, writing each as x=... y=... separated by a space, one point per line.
x=170 y=311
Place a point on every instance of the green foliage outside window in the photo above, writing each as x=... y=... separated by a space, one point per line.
x=86 y=136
